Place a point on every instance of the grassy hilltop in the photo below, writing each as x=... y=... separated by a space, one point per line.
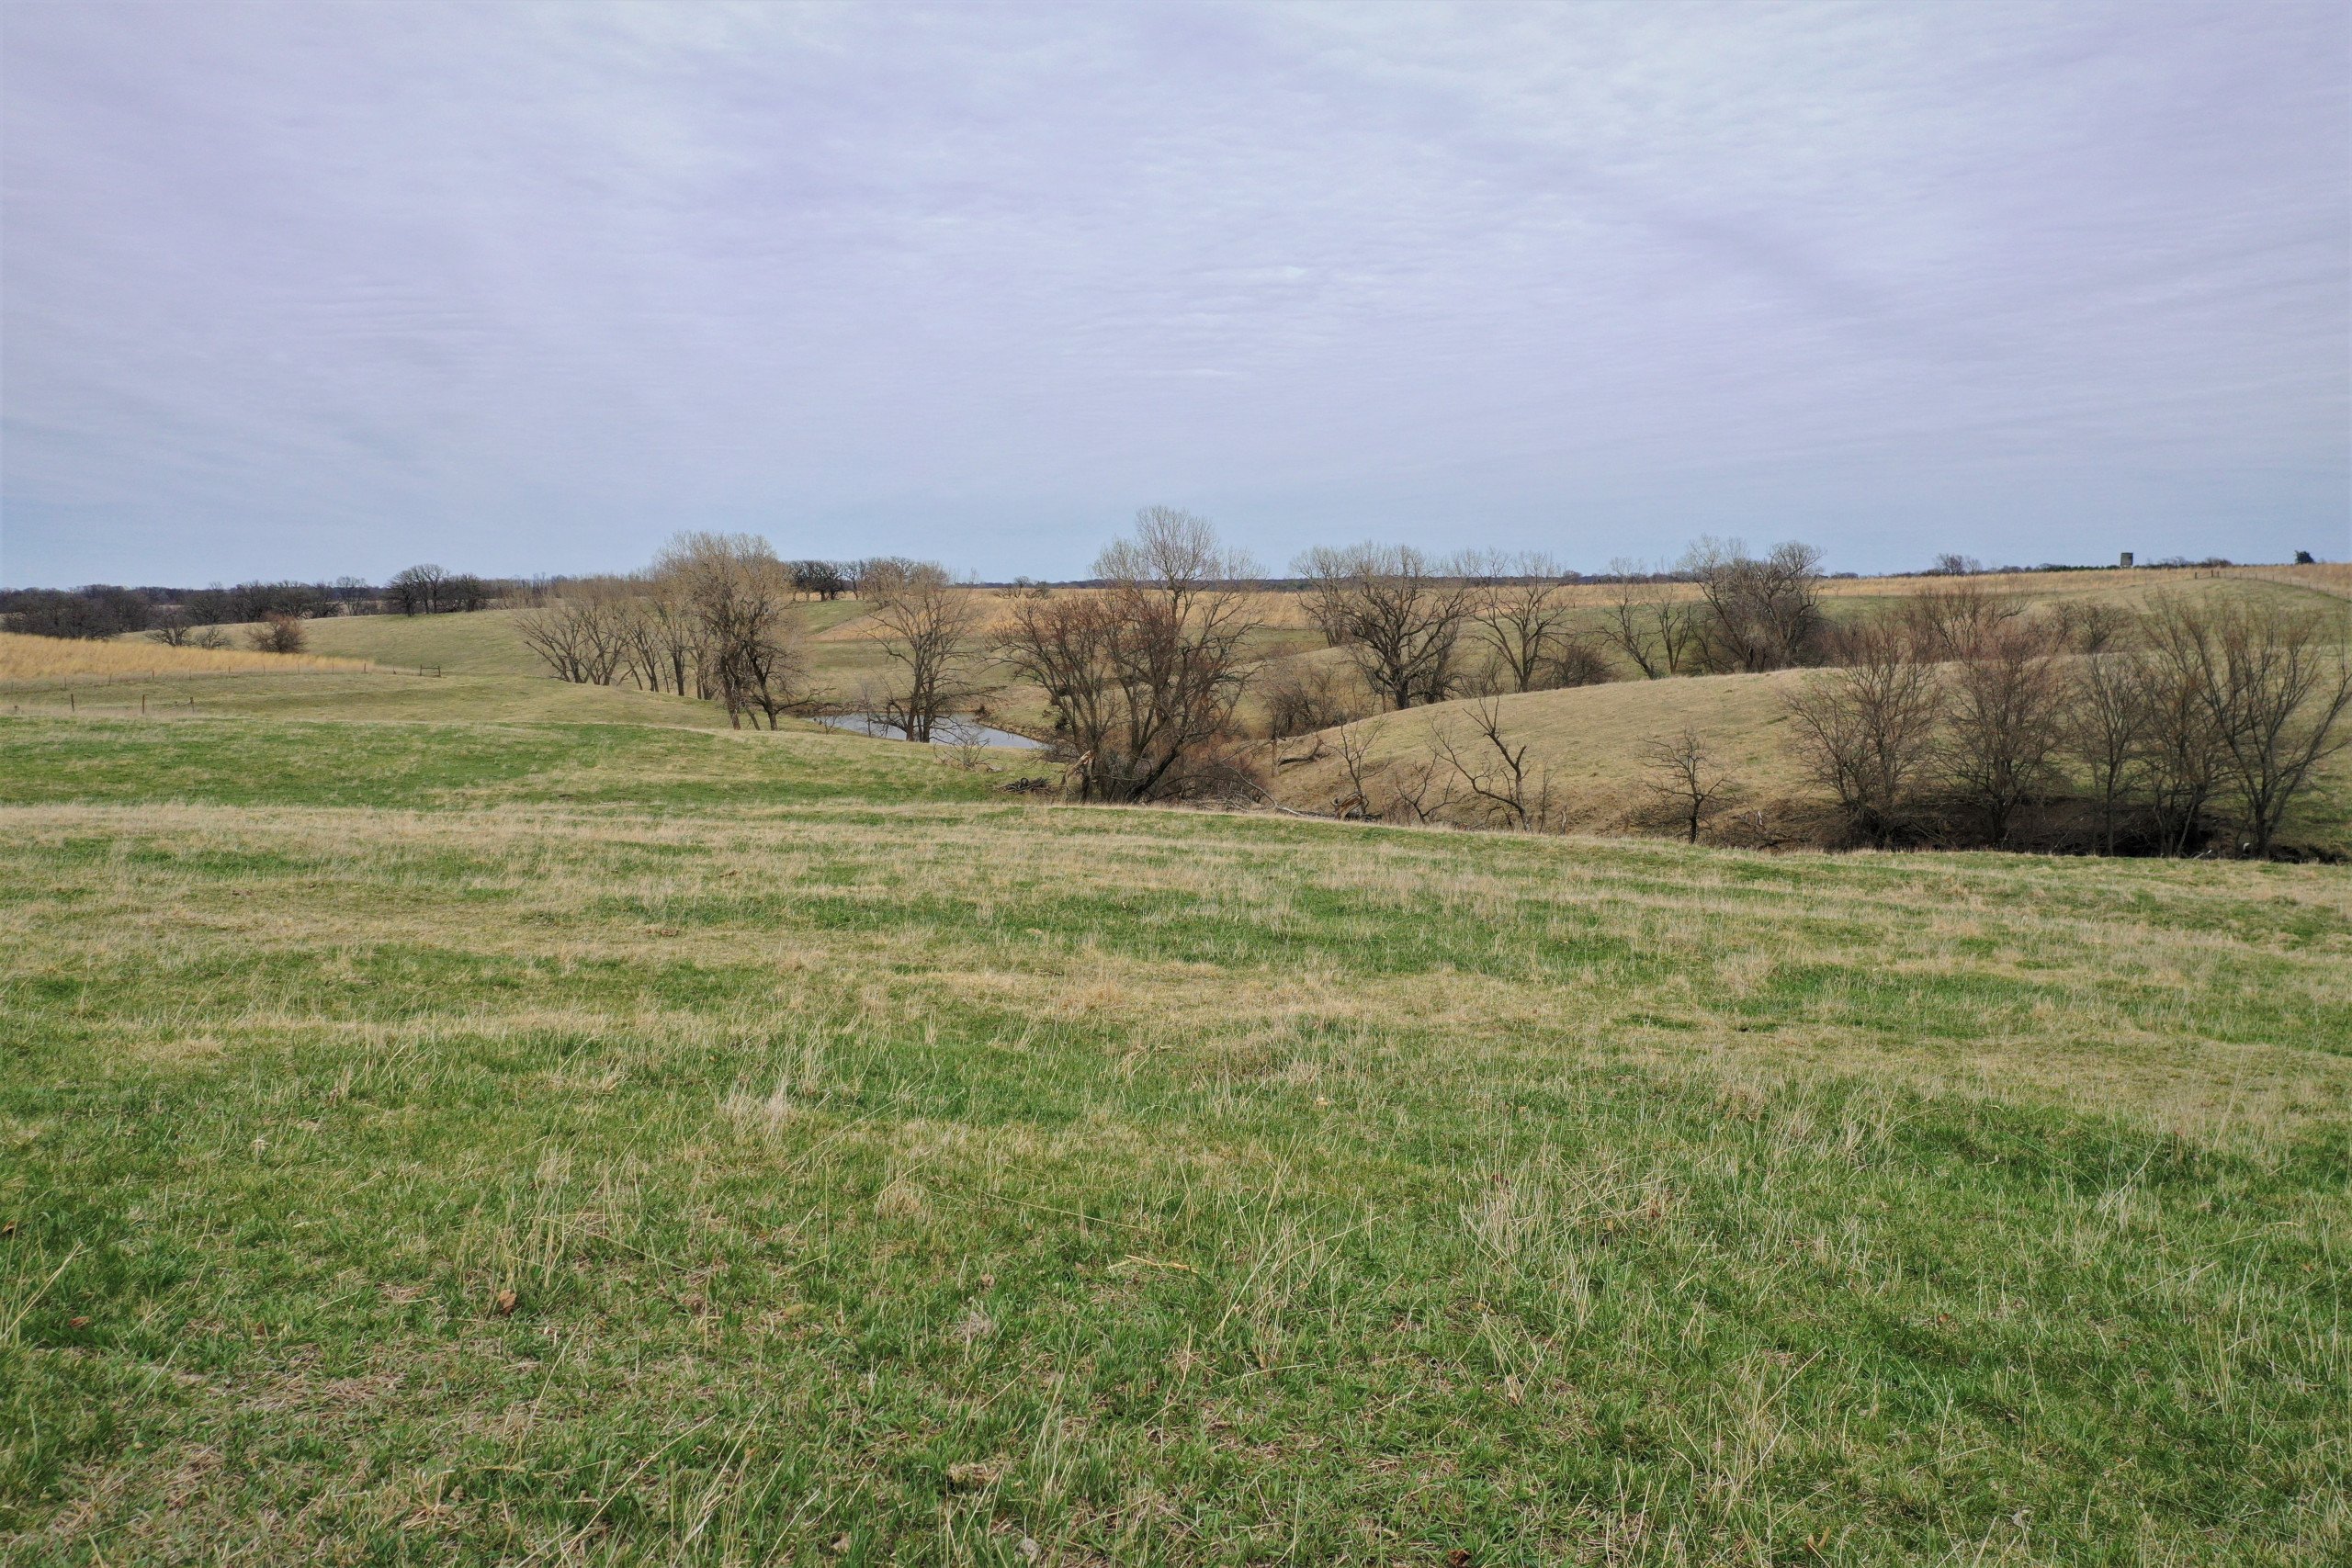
x=499 y=1137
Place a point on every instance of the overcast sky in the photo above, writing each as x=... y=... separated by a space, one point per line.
x=311 y=290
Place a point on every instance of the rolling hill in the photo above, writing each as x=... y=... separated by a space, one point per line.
x=465 y=1140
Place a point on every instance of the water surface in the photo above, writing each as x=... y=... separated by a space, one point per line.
x=946 y=732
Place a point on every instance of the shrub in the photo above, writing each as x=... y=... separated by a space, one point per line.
x=278 y=633
x=1306 y=698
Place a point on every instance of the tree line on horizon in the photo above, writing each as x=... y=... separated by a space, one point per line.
x=105 y=610
x=176 y=615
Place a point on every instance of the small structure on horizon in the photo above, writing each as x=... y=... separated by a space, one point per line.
x=2127 y=559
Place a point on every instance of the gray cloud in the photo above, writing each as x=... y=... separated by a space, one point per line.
x=315 y=289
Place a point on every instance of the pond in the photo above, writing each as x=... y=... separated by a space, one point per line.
x=946 y=732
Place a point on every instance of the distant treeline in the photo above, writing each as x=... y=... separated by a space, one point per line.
x=104 y=610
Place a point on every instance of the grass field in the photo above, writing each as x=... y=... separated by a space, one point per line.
x=482 y=643
x=469 y=1141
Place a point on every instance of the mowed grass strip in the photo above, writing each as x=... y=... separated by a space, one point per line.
x=426 y=1145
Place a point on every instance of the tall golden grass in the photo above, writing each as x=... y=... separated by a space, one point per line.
x=25 y=658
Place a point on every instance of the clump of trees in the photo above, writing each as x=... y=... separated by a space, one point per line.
x=823 y=579
x=736 y=596
x=2191 y=726
x=1521 y=613
x=429 y=589
x=711 y=618
x=1142 y=674
x=1756 y=612
x=1419 y=629
x=1398 y=614
x=1719 y=611
x=98 y=611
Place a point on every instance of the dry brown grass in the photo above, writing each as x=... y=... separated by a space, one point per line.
x=2327 y=577
x=28 y=659
x=1589 y=738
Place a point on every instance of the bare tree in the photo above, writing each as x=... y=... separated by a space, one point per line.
x=2276 y=683
x=1496 y=771
x=1865 y=729
x=551 y=630
x=1355 y=755
x=582 y=636
x=173 y=628
x=2180 y=744
x=1417 y=790
x=1142 y=675
x=559 y=632
x=1757 y=614
x=1684 y=780
x=929 y=628
x=2106 y=730
x=1956 y=620
x=741 y=598
x=1523 y=616
x=1648 y=619
x=2090 y=626
x=2004 y=720
x=1398 y=614
x=660 y=634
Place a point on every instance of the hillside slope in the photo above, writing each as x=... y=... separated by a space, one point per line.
x=1589 y=741
x=1588 y=737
